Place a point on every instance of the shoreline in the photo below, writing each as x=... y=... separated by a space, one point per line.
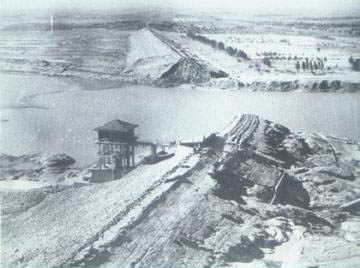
x=106 y=83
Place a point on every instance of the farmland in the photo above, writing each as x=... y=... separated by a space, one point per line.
x=64 y=53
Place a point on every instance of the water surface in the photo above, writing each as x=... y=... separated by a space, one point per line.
x=64 y=120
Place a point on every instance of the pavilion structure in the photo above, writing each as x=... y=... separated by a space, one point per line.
x=116 y=153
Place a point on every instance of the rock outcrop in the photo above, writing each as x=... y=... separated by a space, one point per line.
x=186 y=71
x=189 y=71
x=270 y=162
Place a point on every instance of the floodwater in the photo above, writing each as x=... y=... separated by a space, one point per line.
x=53 y=115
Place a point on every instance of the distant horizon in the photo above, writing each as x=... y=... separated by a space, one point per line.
x=321 y=8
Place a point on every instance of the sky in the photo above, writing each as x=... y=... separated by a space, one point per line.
x=241 y=6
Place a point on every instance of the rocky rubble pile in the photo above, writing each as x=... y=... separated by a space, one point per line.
x=270 y=162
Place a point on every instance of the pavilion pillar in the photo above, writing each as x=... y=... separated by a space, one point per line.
x=120 y=165
x=101 y=163
x=128 y=156
x=133 y=155
x=153 y=152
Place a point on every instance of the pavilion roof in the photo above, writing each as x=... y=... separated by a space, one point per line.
x=117 y=126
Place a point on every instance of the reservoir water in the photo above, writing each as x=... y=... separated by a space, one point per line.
x=53 y=115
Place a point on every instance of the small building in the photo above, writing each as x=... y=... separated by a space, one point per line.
x=116 y=154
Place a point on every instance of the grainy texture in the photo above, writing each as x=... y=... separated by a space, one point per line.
x=221 y=206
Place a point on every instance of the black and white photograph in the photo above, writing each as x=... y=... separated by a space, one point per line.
x=179 y=134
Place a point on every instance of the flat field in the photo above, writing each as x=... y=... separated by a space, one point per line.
x=94 y=51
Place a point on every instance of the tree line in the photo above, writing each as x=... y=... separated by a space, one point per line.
x=219 y=45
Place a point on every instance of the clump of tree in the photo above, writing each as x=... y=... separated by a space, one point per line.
x=242 y=54
x=351 y=60
x=231 y=51
x=303 y=65
x=267 y=62
x=202 y=39
x=316 y=66
x=312 y=65
x=355 y=63
x=218 y=45
x=221 y=46
x=234 y=52
x=213 y=44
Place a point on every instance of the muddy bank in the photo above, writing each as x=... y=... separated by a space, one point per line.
x=307 y=86
x=310 y=85
x=26 y=172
